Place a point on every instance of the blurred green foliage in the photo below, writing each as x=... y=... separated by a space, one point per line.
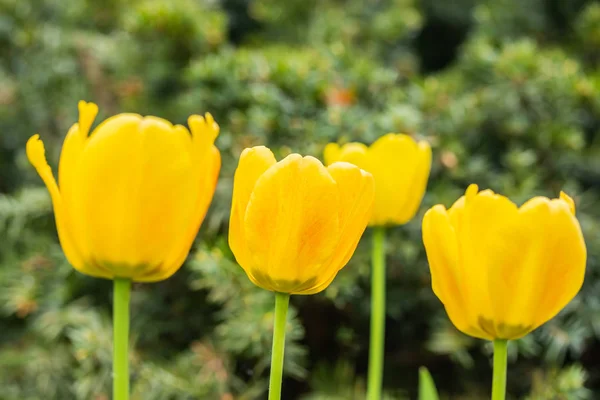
x=506 y=91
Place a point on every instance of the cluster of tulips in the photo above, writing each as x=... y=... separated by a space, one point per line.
x=131 y=196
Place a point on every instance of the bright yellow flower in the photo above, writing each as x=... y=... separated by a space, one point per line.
x=133 y=194
x=294 y=223
x=500 y=270
x=400 y=167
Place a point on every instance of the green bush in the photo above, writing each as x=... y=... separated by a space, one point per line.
x=507 y=92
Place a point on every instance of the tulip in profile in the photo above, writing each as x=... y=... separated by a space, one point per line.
x=294 y=224
x=500 y=270
x=400 y=167
x=129 y=201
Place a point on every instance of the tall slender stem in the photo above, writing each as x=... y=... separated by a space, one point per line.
x=376 y=348
x=499 y=380
x=282 y=301
x=121 y=294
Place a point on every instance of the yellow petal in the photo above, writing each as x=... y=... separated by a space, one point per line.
x=87 y=115
x=36 y=154
x=357 y=193
x=417 y=187
x=70 y=155
x=209 y=170
x=291 y=223
x=483 y=240
x=392 y=160
x=357 y=196
x=566 y=257
x=447 y=274
x=565 y=197
x=253 y=163
x=206 y=164
x=544 y=270
x=354 y=153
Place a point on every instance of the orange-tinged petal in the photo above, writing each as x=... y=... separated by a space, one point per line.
x=357 y=193
x=291 y=223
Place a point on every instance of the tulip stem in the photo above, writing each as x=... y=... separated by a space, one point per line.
x=377 y=339
x=499 y=380
x=282 y=301
x=121 y=294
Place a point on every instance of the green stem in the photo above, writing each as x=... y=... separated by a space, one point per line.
x=499 y=380
x=282 y=301
x=377 y=315
x=122 y=290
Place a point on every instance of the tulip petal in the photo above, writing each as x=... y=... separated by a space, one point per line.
x=566 y=255
x=484 y=240
x=253 y=163
x=206 y=164
x=354 y=153
x=36 y=154
x=392 y=161
x=291 y=222
x=357 y=194
x=447 y=275
x=545 y=270
x=417 y=187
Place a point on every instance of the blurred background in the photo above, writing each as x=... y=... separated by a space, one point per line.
x=506 y=91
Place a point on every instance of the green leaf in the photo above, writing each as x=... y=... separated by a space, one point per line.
x=427 y=390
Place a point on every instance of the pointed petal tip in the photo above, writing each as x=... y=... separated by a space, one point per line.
x=568 y=200
x=36 y=153
x=471 y=190
x=87 y=115
x=206 y=125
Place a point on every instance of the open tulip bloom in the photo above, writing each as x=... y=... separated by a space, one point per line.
x=294 y=224
x=400 y=167
x=129 y=202
x=500 y=270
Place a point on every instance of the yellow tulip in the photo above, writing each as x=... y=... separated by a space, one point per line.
x=294 y=223
x=400 y=166
x=132 y=194
x=500 y=270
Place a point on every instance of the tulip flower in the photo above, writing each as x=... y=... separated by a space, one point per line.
x=500 y=270
x=129 y=202
x=294 y=224
x=400 y=166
